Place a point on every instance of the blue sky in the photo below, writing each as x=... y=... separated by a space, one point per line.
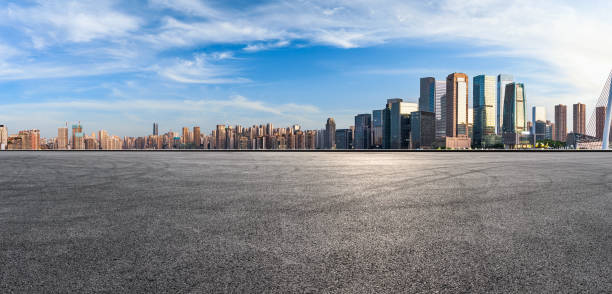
x=121 y=65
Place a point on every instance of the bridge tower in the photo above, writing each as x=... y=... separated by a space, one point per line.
x=606 y=134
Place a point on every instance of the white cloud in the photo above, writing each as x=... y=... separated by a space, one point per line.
x=200 y=70
x=74 y=21
x=265 y=46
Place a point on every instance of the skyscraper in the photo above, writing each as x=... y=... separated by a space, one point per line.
x=363 y=126
x=400 y=123
x=387 y=122
x=485 y=95
x=600 y=120
x=456 y=105
x=514 y=109
x=440 y=109
x=196 y=137
x=220 y=137
x=502 y=81
x=427 y=99
x=514 y=114
x=538 y=126
x=155 y=129
x=343 y=139
x=377 y=128
x=579 y=118
x=330 y=134
x=78 y=138
x=3 y=137
x=62 y=138
x=560 y=123
x=422 y=129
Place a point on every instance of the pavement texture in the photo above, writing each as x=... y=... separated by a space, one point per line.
x=305 y=222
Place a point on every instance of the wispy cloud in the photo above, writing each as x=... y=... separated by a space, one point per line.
x=200 y=70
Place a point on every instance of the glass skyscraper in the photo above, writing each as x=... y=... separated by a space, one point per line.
x=502 y=81
x=427 y=99
x=399 y=121
x=485 y=94
x=514 y=109
x=440 y=110
x=363 y=125
x=377 y=128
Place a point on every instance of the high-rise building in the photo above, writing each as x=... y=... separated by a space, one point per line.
x=579 y=118
x=440 y=109
x=539 y=124
x=427 y=99
x=105 y=142
x=155 y=129
x=363 y=126
x=399 y=121
x=3 y=137
x=560 y=123
x=30 y=139
x=330 y=134
x=457 y=105
x=387 y=122
x=220 y=137
x=600 y=120
x=515 y=122
x=502 y=81
x=62 y=138
x=78 y=138
x=377 y=128
x=343 y=139
x=422 y=129
x=485 y=95
x=196 y=137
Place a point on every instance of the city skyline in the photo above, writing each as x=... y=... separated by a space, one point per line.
x=120 y=65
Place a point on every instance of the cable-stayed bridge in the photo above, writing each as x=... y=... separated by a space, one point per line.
x=598 y=126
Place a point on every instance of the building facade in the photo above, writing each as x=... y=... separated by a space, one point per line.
x=343 y=139
x=427 y=98
x=485 y=96
x=457 y=105
x=515 y=122
x=579 y=125
x=560 y=123
x=422 y=129
x=502 y=81
x=330 y=134
x=440 y=109
x=363 y=130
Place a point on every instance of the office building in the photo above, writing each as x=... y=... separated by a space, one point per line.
x=78 y=137
x=538 y=123
x=377 y=128
x=515 y=122
x=456 y=105
x=330 y=134
x=484 y=118
x=343 y=139
x=155 y=129
x=61 y=142
x=502 y=81
x=579 y=119
x=560 y=123
x=387 y=122
x=422 y=129
x=600 y=120
x=196 y=137
x=427 y=99
x=362 y=134
x=220 y=137
x=440 y=109
x=399 y=121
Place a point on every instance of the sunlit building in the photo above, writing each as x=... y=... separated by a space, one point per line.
x=485 y=95
x=502 y=81
x=560 y=123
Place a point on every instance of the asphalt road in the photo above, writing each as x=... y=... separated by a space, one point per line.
x=306 y=222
